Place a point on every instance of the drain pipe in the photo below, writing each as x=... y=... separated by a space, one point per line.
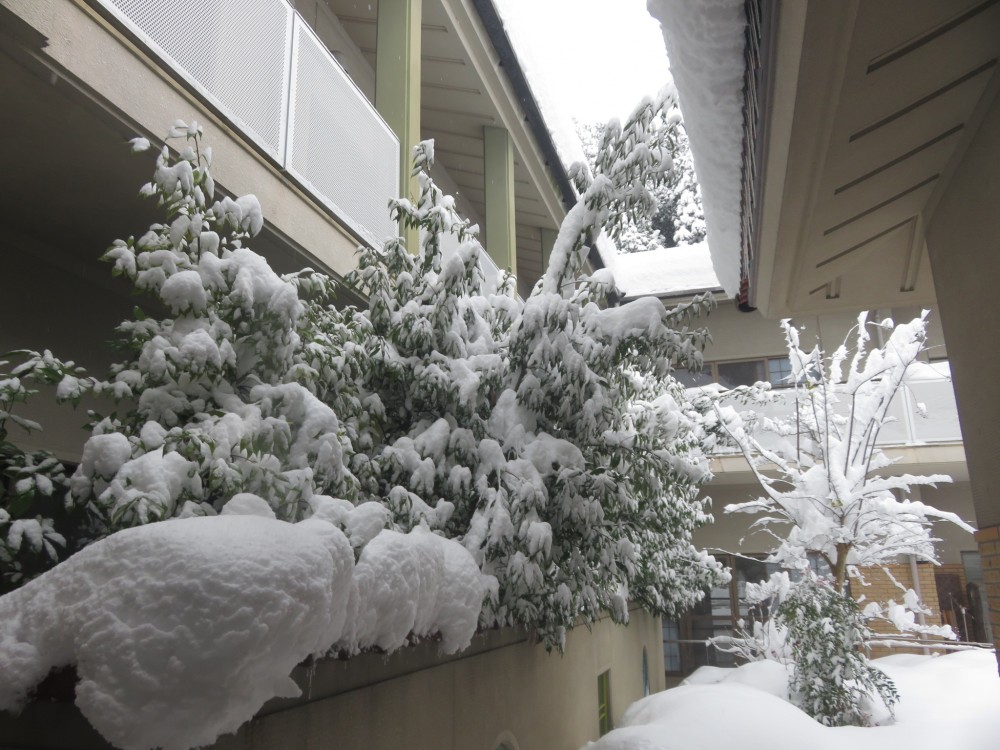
x=915 y=577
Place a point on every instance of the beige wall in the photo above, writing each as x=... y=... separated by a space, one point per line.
x=737 y=335
x=963 y=240
x=503 y=687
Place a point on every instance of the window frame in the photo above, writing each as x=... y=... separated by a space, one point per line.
x=604 y=720
x=712 y=368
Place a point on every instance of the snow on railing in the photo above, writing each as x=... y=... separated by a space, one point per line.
x=263 y=68
x=923 y=412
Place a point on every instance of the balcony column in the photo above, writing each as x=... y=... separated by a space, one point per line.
x=963 y=250
x=397 y=86
x=498 y=158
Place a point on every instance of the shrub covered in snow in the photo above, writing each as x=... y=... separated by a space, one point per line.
x=39 y=526
x=547 y=436
x=832 y=679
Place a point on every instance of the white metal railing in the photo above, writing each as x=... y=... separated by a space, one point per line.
x=923 y=412
x=261 y=65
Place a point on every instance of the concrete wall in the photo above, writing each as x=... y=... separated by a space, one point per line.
x=503 y=688
x=737 y=335
x=963 y=241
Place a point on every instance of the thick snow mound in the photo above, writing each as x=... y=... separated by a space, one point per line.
x=417 y=583
x=945 y=701
x=179 y=630
x=704 y=42
x=666 y=270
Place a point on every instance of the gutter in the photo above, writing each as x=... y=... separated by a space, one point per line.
x=532 y=114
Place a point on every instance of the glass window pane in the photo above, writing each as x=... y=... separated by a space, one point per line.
x=671 y=647
x=779 y=370
x=693 y=378
x=732 y=374
x=705 y=655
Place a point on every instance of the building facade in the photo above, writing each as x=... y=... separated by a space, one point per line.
x=870 y=145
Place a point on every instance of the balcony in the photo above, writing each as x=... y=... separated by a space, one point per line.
x=264 y=69
x=923 y=415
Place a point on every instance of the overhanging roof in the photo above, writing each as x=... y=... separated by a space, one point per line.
x=870 y=105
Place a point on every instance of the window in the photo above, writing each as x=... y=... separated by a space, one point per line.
x=604 y=702
x=775 y=370
x=718 y=613
x=671 y=647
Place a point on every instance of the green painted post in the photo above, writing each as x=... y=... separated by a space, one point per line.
x=397 y=86
x=498 y=157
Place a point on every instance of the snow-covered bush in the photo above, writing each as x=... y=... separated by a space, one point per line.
x=550 y=432
x=221 y=393
x=38 y=526
x=759 y=636
x=832 y=680
x=547 y=436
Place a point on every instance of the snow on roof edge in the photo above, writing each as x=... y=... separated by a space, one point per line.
x=704 y=42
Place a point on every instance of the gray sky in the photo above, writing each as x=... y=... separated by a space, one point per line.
x=598 y=58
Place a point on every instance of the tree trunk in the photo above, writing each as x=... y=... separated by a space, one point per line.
x=840 y=567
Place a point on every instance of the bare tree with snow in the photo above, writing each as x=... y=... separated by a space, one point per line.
x=826 y=482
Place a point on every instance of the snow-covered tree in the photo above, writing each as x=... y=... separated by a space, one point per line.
x=828 y=492
x=38 y=527
x=827 y=484
x=547 y=436
x=679 y=218
x=545 y=429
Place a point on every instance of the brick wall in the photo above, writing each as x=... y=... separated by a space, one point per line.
x=988 y=540
x=881 y=588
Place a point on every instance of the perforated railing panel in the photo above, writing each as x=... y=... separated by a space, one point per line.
x=236 y=51
x=336 y=146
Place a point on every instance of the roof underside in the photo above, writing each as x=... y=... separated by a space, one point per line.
x=871 y=108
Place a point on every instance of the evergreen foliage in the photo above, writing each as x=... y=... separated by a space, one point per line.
x=39 y=527
x=678 y=218
x=547 y=435
x=832 y=679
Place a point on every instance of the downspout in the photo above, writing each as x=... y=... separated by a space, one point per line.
x=915 y=577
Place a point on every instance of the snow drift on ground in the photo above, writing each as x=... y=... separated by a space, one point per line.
x=945 y=701
x=704 y=42
x=666 y=270
x=181 y=630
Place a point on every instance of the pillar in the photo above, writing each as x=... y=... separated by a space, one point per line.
x=397 y=86
x=963 y=243
x=498 y=157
